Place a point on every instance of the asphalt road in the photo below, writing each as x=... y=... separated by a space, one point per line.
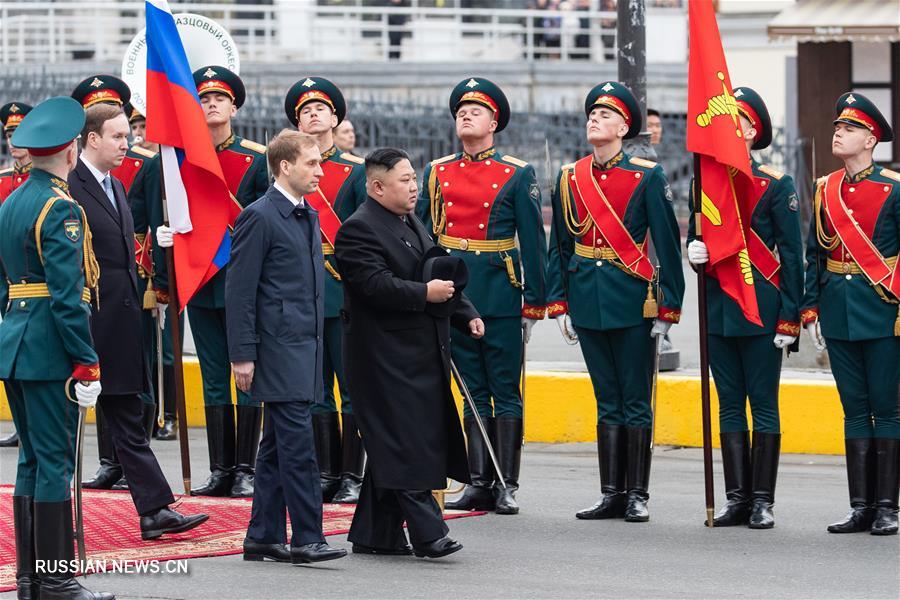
x=544 y=552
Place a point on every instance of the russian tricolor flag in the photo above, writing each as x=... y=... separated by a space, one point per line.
x=199 y=203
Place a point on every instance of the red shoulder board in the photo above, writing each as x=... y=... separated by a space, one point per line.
x=128 y=170
x=234 y=166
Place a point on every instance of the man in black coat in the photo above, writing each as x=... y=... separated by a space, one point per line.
x=275 y=317
x=116 y=320
x=397 y=359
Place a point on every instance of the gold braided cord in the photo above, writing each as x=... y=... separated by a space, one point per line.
x=576 y=228
x=438 y=214
x=91 y=266
x=827 y=242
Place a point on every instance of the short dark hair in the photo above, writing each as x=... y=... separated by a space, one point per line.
x=652 y=112
x=384 y=158
x=98 y=114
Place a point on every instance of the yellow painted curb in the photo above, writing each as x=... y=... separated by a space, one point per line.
x=560 y=407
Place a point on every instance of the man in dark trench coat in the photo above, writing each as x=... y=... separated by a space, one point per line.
x=397 y=359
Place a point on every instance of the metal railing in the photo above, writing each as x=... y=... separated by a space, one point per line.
x=66 y=30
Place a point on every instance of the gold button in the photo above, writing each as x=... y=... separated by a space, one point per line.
x=572 y=177
x=494 y=185
x=603 y=177
x=449 y=224
x=24 y=281
x=463 y=244
x=249 y=159
x=487 y=162
x=887 y=188
x=446 y=184
x=597 y=253
x=441 y=168
x=22 y=304
x=478 y=253
x=462 y=164
x=599 y=263
x=449 y=204
x=849 y=211
x=481 y=226
x=18 y=180
x=763 y=183
x=637 y=175
x=848 y=277
x=853 y=189
x=487 y=204
x=506 y=170
x=137 y=163
x=346 y=169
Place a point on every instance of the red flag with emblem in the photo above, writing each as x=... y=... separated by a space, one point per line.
x=714 y=132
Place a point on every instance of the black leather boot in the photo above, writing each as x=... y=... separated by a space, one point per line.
x=478 y=495
x=327 y=434
x=509 y=449
x=54 y=545
x=611 y=455
x=887 y=468
x=27 y=582
x=167 y=431
x=353 y=461
x=10 y=441
x=860 y=454
x=766 y=450
x=249 y=426
x=220 y=438
x=638 y=474
x=110 y=471
x=738 y=482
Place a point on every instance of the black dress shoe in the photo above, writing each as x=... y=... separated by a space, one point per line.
x=610 y=506
x=885 y=522
x=437 y=548
x=121 y=484
x=167 y=431
x=404 y=551
x=11 y=441
x=106 y=477
x=761 y=515
x=316 y=552
x=858 y=520
x=256 y=551
x=735 y=512
x=166 y=520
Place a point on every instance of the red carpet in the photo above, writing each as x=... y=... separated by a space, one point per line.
x=112 y=531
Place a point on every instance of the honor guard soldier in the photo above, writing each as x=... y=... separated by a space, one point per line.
x=477 y=202
x=316 y=106
x=108 y=89
x=12 y=177
x=145 y=199
x=606 y=293
x=851 y=305
x=232 y=454
x=746 y=358
x=47 y=275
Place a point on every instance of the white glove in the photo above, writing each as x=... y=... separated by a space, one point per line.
x=783 y=341
x=697 y=253
x=161 y=311
x=815 y=336
x=527 y=325
x=660 y=328
x=165 y=236
x=87 y=392
x=567 y=330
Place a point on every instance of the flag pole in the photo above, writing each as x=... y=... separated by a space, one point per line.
x=178 y=365
x=704 y=354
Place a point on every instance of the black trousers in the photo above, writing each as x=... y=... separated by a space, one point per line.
x=287 y=476
x=124 y=418
x=380 y=513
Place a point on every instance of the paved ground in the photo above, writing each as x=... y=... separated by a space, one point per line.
x=545 y=553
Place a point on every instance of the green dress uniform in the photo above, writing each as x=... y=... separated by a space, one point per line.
x=477 y=206
x=47 y=274
x=745 y=362
x=600 y=275
x=93 y=90
x=852 y=290
x=342 y=189
x=232 y=451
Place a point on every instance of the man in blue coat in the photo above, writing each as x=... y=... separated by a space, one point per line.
x=275 y=319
